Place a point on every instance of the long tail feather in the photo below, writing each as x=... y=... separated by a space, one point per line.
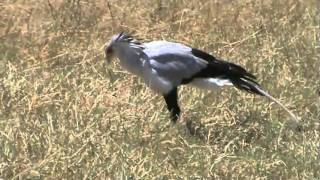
x=252 y=86
x=294 y=117
x=236 y=74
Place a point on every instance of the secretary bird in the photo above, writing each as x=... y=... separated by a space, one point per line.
x=166 y=65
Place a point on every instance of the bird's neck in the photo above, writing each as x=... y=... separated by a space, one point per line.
x=131 y=60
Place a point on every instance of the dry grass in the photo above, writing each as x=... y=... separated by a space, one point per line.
x=62 y=116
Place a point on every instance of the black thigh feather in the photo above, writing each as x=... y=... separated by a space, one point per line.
x=172 y=104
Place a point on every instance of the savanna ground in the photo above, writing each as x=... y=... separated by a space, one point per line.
x=64 y=116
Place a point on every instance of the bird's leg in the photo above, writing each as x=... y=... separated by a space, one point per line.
x=172 y=104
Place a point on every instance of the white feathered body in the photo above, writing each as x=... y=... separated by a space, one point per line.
x=163 y=65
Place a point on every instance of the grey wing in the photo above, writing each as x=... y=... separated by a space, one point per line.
x=173 y=61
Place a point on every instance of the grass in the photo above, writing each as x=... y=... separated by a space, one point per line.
x=63 y=116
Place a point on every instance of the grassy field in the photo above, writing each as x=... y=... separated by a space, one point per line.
x=64 y=116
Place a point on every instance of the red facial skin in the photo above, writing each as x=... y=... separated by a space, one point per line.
x=109 y=53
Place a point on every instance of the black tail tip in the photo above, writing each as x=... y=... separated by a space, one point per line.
x=248 y=85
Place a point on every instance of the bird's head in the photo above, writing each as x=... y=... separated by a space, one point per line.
x=110 y=47
x=120 y=41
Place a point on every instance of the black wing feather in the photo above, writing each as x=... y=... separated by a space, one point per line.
x=217 y=68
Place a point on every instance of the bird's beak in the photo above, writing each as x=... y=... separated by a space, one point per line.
x=108 y=60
